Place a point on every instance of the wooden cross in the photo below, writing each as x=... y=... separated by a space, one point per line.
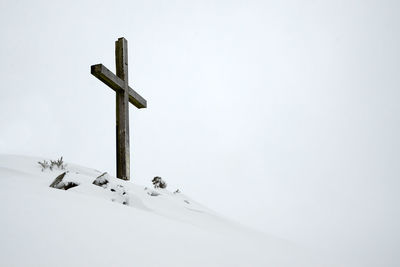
x=124 y=95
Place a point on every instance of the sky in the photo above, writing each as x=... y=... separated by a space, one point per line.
x=282 y=115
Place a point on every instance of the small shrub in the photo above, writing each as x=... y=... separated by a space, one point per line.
x=57 y=163
x=44 y=164
x=158 y=182
x=53 y=164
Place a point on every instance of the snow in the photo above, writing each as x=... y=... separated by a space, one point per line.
x=120 y=223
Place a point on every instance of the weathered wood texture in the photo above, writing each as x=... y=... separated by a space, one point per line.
x=122 y=98
x=107 y=77
x=124 y=95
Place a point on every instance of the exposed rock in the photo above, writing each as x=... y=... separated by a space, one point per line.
x=69 y=185
x=58 y=180
x=60 y=184
x=117 y=191
x=102 y=180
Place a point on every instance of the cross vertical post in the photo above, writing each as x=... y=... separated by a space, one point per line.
x=122 y=110
x=124 y=95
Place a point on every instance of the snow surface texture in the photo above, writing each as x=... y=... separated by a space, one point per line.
x=119 y=223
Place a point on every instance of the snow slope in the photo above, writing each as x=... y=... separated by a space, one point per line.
x=88 y=225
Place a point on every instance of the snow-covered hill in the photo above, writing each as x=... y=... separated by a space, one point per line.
x=120 y=224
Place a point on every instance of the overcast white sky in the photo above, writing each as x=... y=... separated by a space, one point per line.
x=283 y=115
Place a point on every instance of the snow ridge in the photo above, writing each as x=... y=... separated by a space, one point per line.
x=104 y=221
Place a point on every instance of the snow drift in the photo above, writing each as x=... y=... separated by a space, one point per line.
x=118 y=223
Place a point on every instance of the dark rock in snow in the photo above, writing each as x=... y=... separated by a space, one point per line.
x=101 y=180
x=60 y=184
x=69 y=185
x=58 y=180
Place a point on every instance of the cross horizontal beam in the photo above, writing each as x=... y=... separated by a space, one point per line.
x=116 y=83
